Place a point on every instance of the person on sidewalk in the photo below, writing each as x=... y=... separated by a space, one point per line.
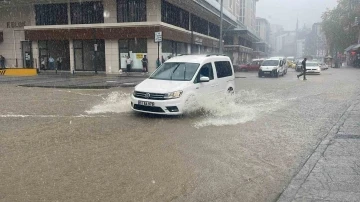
x=51 y=63
x=59 y=63
x=303 y=63
x=128 y=64
x=2 y=62
x=145 y=64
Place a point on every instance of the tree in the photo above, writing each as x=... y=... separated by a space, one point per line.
x=337 y=26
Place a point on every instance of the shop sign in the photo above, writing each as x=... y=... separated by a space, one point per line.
x=158 y=37
x=198 y=41
x=15 y=24
x=139 y=56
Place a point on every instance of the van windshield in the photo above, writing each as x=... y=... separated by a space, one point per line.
x=270 y=63
x=178 y=71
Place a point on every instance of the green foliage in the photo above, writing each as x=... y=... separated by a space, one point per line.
x=337 y=25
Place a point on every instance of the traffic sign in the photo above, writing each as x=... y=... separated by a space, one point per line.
x=158 y=37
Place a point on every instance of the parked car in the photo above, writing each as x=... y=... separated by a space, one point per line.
x=273 y=67
x=298 y=67
x=253 y=66
x=181 y=80
x=313 y=67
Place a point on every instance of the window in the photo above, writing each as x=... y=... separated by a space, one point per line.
x=214 y=30
x=199 y=25
x=131 y=10
x=223 y=69
x=176 y=71
x=207 y=71
x=174 y=15
x=87 y=13
x=51 y=14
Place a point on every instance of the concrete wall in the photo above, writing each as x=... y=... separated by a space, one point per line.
x=153 y=10
x=14 y=17
x=112 y=56
x=152 y=55
x=110 y=15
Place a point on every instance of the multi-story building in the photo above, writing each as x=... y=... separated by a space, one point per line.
x=98 y=35
x=240 y=41
x=300 y=48
x=315 y=44
x=262 y=48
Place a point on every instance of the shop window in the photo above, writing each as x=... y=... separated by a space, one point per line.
x=51 y=14
x=138 y=45
x=87 y=12
x=136 y=49
x=174 y=15
x=131 y=10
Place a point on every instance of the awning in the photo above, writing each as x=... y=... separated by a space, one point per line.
x=349 y=48
x=356 y=47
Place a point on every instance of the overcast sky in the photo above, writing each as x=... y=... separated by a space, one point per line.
x=285 y=12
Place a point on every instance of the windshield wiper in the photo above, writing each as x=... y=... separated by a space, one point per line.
x=174 y=71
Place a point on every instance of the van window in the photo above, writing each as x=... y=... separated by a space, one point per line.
x=223 y=69
x=207 y=71
x=178 y=71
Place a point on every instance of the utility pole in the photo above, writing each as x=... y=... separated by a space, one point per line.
x=221 y=27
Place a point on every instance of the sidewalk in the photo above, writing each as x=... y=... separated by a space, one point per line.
x=332 y=173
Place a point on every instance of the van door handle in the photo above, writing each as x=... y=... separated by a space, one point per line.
x=213 y=85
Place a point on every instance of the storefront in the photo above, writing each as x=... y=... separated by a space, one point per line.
x=58 y=50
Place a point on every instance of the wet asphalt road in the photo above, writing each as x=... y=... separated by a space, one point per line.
x=86 y=145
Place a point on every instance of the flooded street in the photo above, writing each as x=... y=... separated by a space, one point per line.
x=87 y=145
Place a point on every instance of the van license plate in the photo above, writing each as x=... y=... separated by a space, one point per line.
x=151 y=104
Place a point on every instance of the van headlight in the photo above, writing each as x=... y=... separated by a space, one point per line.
x=173 y=95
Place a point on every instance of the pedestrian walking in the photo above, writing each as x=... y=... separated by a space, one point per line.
x=51 y=63
x=2 y=62
x=158 y=63
x=43 y=64
x=59 y=63
x=128 y=64
x=145 y=64
x=303 y=63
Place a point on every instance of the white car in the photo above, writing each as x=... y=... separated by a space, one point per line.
x=181 y=80
x=313 y=67
x=274 y=67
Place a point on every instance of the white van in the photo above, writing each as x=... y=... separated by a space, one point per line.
x=275 y=67
x=181 y=79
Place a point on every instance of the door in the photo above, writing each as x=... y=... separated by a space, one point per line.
x=204 y=89
x=27 y=54
x=224 y=75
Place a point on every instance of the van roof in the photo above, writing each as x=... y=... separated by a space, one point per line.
x=276 y=58
x=197 y=58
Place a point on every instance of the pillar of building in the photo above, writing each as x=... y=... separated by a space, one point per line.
x=112 y=60
x=153 y=9
x=35 y=54
x=110 y=11
x=152 y=54
x=72 y=58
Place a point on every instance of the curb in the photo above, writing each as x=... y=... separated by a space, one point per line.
x=298 y=180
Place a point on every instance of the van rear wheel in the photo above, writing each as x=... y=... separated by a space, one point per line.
x=230 y=91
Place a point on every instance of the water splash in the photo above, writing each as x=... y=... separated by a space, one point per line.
x=242 y=107
x=116 y=102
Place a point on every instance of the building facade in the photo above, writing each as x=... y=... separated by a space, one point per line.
x=99 y=35
x=240 y=42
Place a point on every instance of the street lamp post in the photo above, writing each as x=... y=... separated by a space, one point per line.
x=221 y=27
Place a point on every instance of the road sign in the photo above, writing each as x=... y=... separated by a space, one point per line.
x=158 y=37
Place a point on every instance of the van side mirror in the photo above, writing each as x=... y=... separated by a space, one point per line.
x=204 y=79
